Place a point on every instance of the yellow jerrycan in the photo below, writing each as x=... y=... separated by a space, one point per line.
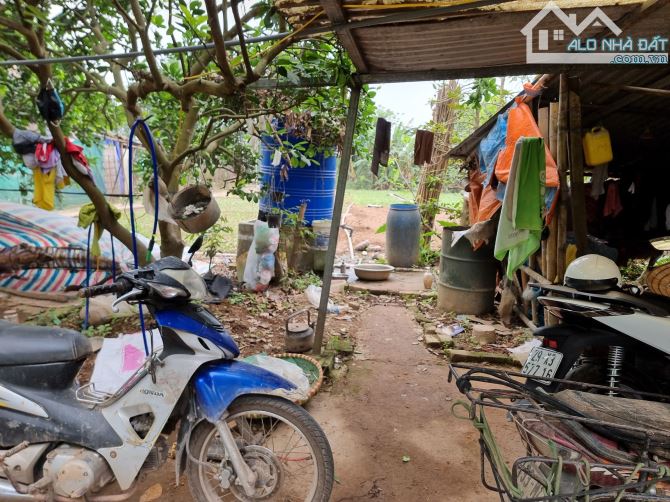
x=597 y=146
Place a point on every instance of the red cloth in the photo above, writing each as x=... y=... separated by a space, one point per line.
x=612 y=201
x=78 y=158
x=43 y=151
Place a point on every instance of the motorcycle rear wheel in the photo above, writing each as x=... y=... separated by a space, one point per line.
x=595 y=374
x=280 y=441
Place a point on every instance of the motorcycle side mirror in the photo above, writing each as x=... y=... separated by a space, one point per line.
x=661 y=243
x=197 y=244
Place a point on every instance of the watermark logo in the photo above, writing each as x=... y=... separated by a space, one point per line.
x=595 y=40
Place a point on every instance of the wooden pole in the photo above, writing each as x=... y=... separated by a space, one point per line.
x=577 y=194
x=553 y=128
x=563 y=162
x=552 y=240
x=543 y=124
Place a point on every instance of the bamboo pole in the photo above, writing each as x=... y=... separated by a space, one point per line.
x=534 y=275
x=577 y=195
x=432 y=175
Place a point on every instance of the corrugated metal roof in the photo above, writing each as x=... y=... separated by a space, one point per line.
x=462 y=42
x=626 y=115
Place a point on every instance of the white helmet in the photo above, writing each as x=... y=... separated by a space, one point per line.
x=592 y=272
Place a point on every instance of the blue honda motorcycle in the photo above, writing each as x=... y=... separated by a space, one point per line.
x=239 y=435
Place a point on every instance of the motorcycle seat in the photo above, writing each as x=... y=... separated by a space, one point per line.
x=651 y=416
x=23 y=344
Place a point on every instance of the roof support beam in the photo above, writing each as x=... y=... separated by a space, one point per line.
x=497 y=71
x=665 y=93
x=642 y=12
x=338 y=19
x=632 y=98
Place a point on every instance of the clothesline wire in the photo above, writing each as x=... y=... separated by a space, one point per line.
x=70 y=193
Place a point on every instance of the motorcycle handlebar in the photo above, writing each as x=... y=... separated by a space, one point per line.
x=120 y=286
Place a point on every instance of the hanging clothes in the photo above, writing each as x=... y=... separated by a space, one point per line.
x=62 y=179
x=88 y=216
x=29 y=160
x=382 y=146
x=78 y=158
x=423 y=147
x=599 y=175
x=44 y=193
x=24 y=142
x=520 y=225
x=612 y=201
x=47 y=155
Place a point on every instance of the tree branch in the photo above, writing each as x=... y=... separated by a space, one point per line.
x=203 y=143
x=269 y=56
x=213 y=142
x=6 y=126
x=219 y=44
x=125 y=14
x=243 y=45
x=143 y=29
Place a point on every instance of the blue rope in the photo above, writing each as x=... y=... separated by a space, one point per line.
x=88 y=274
x=150 y=248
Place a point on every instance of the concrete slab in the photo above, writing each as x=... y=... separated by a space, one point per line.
x=399 y=283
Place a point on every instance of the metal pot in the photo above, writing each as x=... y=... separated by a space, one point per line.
x=299 y=338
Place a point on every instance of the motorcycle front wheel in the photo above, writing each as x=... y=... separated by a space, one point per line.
x=281 y=443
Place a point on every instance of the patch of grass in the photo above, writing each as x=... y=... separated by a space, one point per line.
x=300 y=282
x=235 y=210
x=384 y=197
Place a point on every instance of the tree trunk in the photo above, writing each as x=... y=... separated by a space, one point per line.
x=432 y=175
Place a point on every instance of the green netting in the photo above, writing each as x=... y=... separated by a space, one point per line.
x=308 y=368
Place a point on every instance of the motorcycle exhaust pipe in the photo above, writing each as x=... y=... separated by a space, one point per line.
x=9 y=494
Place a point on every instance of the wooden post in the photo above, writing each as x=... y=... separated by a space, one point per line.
x=543 y=124
x=577 y=195
x=553 y=128
x=552 y=241
x=563 y=162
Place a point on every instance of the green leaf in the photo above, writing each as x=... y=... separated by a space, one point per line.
x=381 y=229
x=447 y=224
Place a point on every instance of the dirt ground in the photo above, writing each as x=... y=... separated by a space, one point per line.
x=365 y=221
x=394 y=402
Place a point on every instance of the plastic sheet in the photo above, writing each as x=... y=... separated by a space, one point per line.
x=285 y=369
x=522 y=124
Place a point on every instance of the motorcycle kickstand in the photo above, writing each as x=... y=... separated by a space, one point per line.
x=245 y=476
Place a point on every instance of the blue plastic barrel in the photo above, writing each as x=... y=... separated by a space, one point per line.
x=403 y=230
x=314 y=184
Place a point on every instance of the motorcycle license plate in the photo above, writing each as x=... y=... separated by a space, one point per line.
x=542 y=363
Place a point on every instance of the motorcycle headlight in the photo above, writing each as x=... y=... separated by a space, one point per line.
x=168 y=292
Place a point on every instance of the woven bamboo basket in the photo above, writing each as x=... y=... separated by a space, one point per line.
x=658 y=280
